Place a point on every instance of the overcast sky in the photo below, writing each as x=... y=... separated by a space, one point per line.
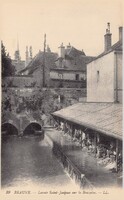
x=80 y=22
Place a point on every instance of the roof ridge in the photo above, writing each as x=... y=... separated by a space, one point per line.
x=112 y=48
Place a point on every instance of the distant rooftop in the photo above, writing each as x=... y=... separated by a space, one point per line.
x=77 y=61
x=38 y=60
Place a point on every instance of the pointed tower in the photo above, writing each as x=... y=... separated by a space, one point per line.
x=17 y=53
x=44 y=67
x=30 y=52
x=27 y=56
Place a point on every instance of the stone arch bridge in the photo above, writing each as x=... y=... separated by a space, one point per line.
x=21 y=122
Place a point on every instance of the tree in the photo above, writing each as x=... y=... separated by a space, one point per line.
x=7 y=68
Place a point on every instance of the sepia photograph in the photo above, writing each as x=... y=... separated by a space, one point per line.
x=61 y=99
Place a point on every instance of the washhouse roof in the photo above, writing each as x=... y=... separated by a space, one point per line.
x=102 y=117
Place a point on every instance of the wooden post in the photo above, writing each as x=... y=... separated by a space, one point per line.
x=95 y=141
x=20 y=128
x=98 y=138
x=116 y=155
x=81 y=139
x=72 y=131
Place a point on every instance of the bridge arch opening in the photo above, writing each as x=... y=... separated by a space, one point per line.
x=9 y=129
x=33 y=128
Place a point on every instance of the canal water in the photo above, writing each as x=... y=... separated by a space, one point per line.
x=29 y=161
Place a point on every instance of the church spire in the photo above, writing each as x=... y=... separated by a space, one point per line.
x=30 y=51
x=44 y=60
x=27 y=56
x=17 y=53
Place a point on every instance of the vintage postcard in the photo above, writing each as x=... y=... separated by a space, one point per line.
x=61 y=99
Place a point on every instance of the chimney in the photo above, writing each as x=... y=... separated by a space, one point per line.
x=120 y=33
x=69 y=46
x=62 y=51
x=107 y=37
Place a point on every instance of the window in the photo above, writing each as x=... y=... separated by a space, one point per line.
x=77 y=77
x=60 y=75
x=97 y=76
x=83 y=77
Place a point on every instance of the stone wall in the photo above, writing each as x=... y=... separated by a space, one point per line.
x=70 y=92
x=19 y=81
x=37 y=81
x=67 y=83
x=100 y=79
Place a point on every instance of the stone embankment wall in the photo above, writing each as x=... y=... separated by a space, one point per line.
x=69 y=167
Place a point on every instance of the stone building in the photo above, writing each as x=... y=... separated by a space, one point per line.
x=104 y=73
x=99 y=120
x=68 y=69
x=40 y=66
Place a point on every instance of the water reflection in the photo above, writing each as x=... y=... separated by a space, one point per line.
x=29 y=159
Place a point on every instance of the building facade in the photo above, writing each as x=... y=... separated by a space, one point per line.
x=97 y=123
x=104 y=73
x=66 y=69
x=70 y=68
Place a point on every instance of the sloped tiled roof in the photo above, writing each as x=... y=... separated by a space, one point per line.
x=19 y=65
x=73 y=52
x=103 y=117
x=38 y=60
x=77 y=61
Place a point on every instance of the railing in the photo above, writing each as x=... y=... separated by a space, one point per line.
x=71 y=169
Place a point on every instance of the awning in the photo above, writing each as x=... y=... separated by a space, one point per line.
x=103 y=117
